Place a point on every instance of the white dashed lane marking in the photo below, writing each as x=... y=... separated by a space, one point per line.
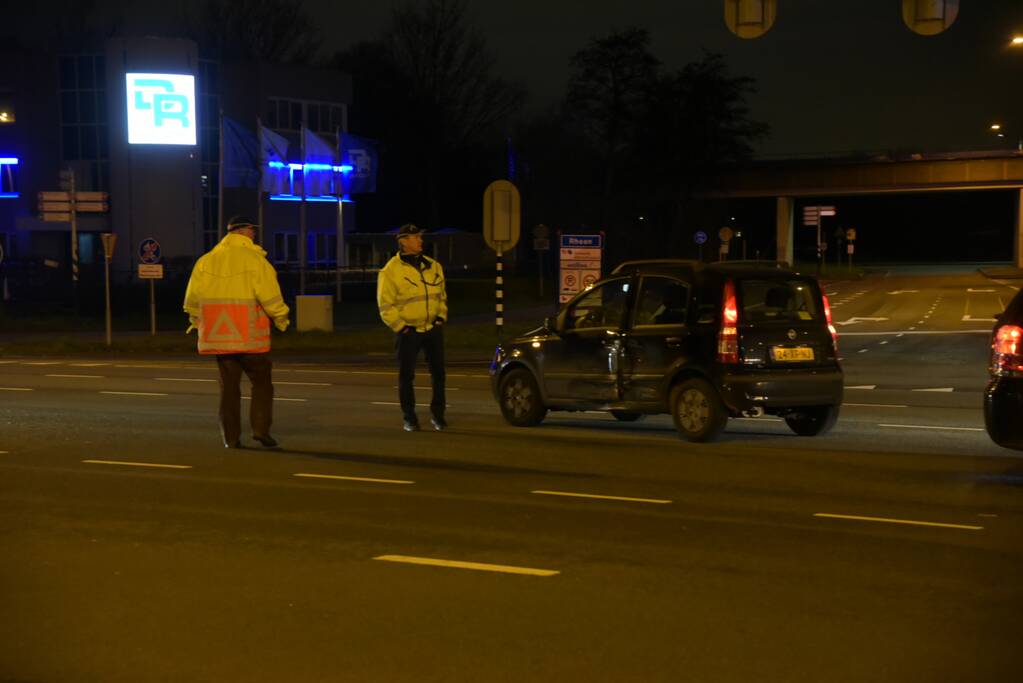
x=138 y=464
x=887 y=520
x=626 y=499
x=475 y=566
x=372 y=480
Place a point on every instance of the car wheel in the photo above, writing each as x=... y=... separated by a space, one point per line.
x=626 y=416
x=812 y=420
x=521 y=404
x=697 y=410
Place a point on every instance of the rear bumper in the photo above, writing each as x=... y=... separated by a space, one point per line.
x=1003 y=409
x=782 y=389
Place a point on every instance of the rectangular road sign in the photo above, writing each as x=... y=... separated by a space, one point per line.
x=151 y=271
x=56 y=217
x=80 y=207
x=65 y=196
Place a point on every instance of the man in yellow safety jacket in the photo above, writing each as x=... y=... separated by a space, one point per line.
x=413 y=302
x=231 y=297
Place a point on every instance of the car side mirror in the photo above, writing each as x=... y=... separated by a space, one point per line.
x=551 y=324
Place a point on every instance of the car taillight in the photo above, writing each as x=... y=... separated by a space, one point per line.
x=1007 y=350
x=831 y=324
x=728 y=335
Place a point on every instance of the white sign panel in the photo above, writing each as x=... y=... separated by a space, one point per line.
x=161 y=109
x=580 y=263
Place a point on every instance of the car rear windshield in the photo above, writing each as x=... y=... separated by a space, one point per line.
x=778 y=301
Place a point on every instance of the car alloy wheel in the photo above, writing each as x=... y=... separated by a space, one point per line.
x=521 y=404
x=697 y=411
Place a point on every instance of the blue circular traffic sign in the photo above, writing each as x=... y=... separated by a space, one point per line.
x=700 y=237
x=149 y=251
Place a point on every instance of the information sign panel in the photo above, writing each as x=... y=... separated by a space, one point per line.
x=580 y=263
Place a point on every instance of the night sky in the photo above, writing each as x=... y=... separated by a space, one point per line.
x=833 y=76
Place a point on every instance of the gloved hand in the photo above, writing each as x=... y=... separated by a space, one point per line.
x=282 y=324
x=193 y=324
x=438 y=321
x=407 y=329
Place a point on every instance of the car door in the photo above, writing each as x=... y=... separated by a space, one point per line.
x=581 y=364
x=658 y=338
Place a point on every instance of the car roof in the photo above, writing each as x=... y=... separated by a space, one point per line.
x=687 y=266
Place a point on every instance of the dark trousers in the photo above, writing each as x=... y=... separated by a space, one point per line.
x=257 y=366
x=407 y=346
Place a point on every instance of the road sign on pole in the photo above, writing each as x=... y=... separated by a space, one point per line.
x=502 y=217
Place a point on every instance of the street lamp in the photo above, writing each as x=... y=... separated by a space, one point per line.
x=1016 y=41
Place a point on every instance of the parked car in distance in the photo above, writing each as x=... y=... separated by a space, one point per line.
x=1003 y=398
x=701 y=342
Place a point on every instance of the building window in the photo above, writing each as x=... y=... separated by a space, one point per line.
x=324 y=248
x=6 y=108
x=83 y=119
x=288 y=114
x=8 y=178
x=285 y=247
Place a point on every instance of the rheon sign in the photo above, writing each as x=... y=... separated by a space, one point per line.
x=161 y=109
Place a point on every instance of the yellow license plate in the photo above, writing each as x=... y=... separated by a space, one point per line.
x=788 y=354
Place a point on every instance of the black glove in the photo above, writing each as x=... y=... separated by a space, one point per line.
x=407 y=329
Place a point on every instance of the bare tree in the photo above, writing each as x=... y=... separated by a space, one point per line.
x=278 y=31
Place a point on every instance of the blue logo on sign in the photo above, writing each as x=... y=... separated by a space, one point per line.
x=700 y=237
x=157 y=94
x=580 y=241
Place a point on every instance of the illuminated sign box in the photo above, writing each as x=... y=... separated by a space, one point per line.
x=161 y=109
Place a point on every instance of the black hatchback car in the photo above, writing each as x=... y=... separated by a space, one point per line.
x=1003 y=398
x=701 y=342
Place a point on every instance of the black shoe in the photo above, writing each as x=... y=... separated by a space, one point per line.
x=410 y=426
x=267 y=441
x=236 y=444
x=439 y=423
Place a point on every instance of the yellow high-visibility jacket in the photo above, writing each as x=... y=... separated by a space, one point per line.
x=407 y=295
x=231 y=297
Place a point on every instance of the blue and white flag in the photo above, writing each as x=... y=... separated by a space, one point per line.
x=319 y=162
x=241 y=155
x=360 y=159
x=273 y=161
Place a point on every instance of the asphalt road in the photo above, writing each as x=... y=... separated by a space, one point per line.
x=136 y=549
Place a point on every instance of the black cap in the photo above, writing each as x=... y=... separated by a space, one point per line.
x=409 y=229
x=237 y=222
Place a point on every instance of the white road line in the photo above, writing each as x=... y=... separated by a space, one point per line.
x=8 y=362
x=863 y=386
x=137 y=464
x=387 y=403
x=477 y=566
x=875 y=405
x=150 y=367
x=291 y=400
x=369 y=479
x=87 y=365
x=759 y=419
x=303 y=384
x=427 y=388
x=936 y=427
x=367 y=372
x=4 y=452
x=42 y=362
x=132 y=393
x=862 y=351
x=15 y=389
x=76 y=376
x=181 y=379
x=943 y=390
x=886 y=520
x=322 y=372
x=567 y=494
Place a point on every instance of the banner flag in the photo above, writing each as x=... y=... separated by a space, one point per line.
x=360 y=154
x=273 y=149
x=241 y=155
x=320 y=159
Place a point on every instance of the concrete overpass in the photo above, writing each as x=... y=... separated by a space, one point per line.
x=791 y=180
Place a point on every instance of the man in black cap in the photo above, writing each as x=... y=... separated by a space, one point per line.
x=231 y=298
x=413 y=302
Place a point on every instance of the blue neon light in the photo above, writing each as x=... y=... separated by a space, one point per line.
x=319 y=167
x=275 y=164
x=295 y=167
x=9 y=195
x=344 y=168
x=298 y=198
x=9 y=161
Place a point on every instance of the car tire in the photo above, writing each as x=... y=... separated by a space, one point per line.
x=520 y=400
x=626 y=416
x=697 y=410
x=813 y=420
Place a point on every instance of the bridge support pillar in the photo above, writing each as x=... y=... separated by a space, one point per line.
x=783 y=229
x=1017 y=235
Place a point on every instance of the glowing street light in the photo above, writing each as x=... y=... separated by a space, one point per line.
x=1017 y=40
